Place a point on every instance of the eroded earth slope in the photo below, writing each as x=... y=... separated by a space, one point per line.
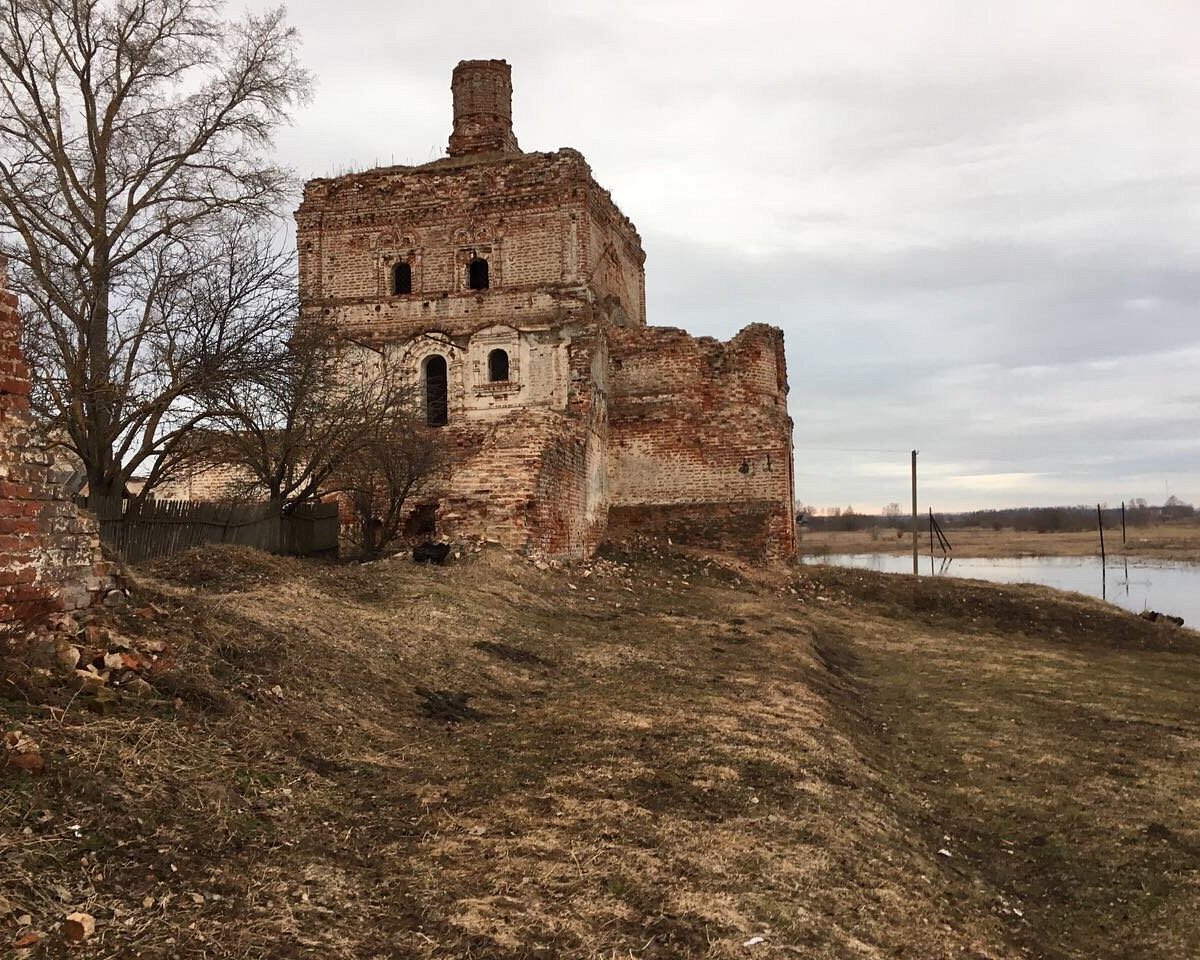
x=653 y=757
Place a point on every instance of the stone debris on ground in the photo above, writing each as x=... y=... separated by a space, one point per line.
x=91 y=655
x=67 y=654
x=77 y=927
x=22 y=753
x=1155 y=617
x=116 y=599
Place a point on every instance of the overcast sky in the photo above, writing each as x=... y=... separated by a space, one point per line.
x=977 y=223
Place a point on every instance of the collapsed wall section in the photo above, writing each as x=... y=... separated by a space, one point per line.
x=520 y=487
x=49 y=552
x=700 y=448
x=536 y=480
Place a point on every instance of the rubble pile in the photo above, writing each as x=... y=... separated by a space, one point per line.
x=99 y=663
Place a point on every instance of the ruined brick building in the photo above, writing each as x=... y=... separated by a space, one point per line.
x=513 y=290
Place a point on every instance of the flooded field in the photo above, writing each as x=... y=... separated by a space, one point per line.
x=1168 y=587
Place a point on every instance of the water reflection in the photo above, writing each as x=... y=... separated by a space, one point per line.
x=1154 y=585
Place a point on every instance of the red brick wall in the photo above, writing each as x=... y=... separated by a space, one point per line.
x=615 y=262
x=557 y=510
x=49 y=552
x=554 y=241
x=482 y=108
x=524 y=485
x=743 y=528
x=569 y=512
x=700 y=440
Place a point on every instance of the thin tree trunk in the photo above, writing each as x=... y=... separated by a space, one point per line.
x=103 y=476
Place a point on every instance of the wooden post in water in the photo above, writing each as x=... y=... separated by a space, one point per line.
x=937 y=528
x=931 y=541
x=1103 y=565
x=914 y=511
x=1122 y=523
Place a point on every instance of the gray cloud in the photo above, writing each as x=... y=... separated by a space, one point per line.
x=977 y=225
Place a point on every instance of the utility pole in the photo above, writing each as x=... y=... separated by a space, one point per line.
x=914 y=512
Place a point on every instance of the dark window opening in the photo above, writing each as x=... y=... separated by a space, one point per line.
x=422 y=522
x=498 y=366
x=401 y=279
x=477 y=274
x=436 y=405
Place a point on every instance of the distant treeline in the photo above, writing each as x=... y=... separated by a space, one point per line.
x=1138 y=513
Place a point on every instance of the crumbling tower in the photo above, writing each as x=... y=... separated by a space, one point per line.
x=482 y=108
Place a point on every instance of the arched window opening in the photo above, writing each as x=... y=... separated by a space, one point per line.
x=498 y=366
x=401 y=279
x=477 y=274
x=436 y=398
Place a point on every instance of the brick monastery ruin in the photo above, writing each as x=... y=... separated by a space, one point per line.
x=513 y=288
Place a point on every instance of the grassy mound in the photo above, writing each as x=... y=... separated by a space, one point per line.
x=662 y=757
x=225 y=568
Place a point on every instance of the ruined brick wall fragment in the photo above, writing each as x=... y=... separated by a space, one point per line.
x=49 y=550
x=700 y=448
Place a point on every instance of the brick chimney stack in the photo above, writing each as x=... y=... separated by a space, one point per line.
x=482 y=108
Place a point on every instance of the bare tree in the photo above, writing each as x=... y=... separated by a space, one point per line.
x=218 y=312
x=380 y=477
x=328 y=416
x=135 y=203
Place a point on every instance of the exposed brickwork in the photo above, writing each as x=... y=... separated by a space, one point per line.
x=742 y=528
x=554 y=242
x=699 y=429
x=482 y=108
x=49 y=552
x=605 y=426
x=207 y=481
x=529 y=486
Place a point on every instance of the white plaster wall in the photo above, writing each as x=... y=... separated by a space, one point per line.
x=538 y=371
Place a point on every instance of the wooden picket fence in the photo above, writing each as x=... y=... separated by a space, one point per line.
x=157 y=528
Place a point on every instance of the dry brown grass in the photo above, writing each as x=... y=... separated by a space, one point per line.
x=1054 y=742
x=1177 y=541
x=661 y=757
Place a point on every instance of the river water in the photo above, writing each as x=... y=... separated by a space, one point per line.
x=1136 y=585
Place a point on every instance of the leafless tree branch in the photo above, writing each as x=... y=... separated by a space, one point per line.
x=329 y=417
x=136 y=205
